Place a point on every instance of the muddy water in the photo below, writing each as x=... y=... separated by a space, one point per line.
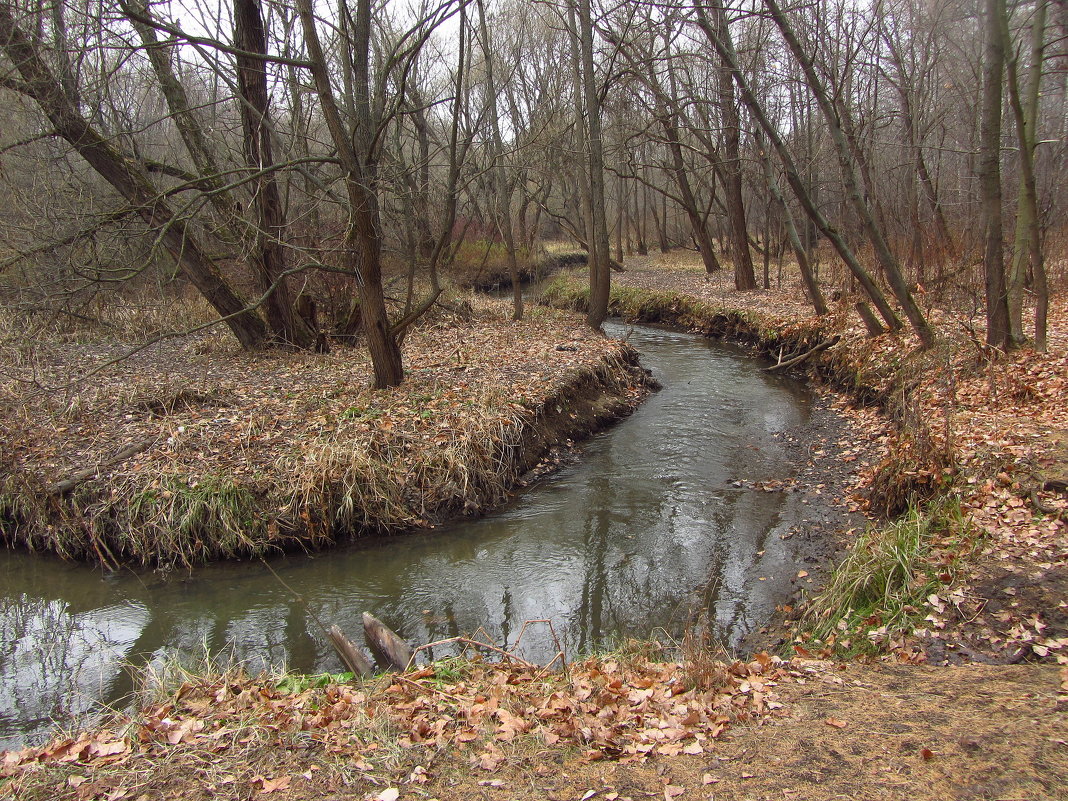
x=653 y=526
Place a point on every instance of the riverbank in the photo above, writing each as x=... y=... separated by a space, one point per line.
x=806 y=727
x=986 y=569
x=624 y=726
x=188 y=452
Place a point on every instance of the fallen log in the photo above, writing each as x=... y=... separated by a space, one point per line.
x=352 y=656
x=384 y=640
x=72 y=481
x=811 y=352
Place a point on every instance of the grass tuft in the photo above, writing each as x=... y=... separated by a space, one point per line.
x=880 y=588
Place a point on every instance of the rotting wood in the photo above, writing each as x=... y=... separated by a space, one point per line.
x=72 y=481
x=812 y=351
x=396 y=651
x=352 y=656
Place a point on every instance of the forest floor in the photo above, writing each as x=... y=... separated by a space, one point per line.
x=964 y=695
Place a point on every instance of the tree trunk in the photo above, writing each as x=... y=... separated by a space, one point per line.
x=744 y=278
x=811 y=284
x=726 y=52
x=698 y=226
x=131 y=182
x=357 y=152
x=997 y=309
x=502 y=193
x=600 y=274
x=268 y=254
x=1027 y=248
x=886 y=259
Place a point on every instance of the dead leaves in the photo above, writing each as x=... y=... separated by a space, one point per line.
x=607 y=709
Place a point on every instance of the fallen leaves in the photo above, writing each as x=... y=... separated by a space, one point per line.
x=605 y=708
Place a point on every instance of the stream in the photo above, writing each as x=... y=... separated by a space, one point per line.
x=655 y=525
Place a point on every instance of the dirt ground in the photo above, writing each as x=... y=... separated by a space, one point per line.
x=850 y=732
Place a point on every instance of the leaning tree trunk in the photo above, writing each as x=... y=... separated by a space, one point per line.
x=885 y=257
x=803 y=264
x=698 y=224
x=129 y=180
x=793 y=177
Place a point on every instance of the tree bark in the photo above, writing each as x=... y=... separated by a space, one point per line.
x=744 y=278
x=356 y=151
x=267 y=255
x=698 y=225
x=600 y=273
x=501 y=189
x=807 y=276
x=1027 y=248
x=997 y=309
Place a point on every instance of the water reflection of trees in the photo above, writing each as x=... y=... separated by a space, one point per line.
x=56 y=663
x=643 y=532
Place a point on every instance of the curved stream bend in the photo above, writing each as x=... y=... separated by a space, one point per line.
x=646 y=529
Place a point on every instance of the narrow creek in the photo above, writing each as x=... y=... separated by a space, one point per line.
x=655 y=524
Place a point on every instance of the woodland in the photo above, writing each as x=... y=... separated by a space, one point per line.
x=287 y=162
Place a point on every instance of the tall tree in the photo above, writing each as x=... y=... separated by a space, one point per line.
x=744 y=277
x=997 y=308
x=1027 y=247
x=358 y=150
x=269 y=231
x=600 y=272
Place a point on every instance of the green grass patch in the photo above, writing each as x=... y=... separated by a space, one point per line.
x=880 y=589
x=191 y=518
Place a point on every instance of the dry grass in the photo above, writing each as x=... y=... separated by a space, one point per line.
x=241 y=453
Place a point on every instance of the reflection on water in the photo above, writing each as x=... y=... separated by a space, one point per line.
x=645 y=532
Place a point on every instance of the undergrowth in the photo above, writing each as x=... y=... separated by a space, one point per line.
x=879 y=590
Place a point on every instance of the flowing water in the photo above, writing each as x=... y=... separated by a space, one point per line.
x=654 y=525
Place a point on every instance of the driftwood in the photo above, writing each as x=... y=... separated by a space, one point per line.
x=384 y=640
x=72 y=481
x=812 y=351
x=351 y=655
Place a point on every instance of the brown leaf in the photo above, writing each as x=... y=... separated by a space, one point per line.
x=270 y=785
x=838 y=724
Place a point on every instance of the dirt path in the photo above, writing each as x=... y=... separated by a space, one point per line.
x=850 y=732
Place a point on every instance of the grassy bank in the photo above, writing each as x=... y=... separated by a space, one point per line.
x=194 y=452
x=965 y=501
